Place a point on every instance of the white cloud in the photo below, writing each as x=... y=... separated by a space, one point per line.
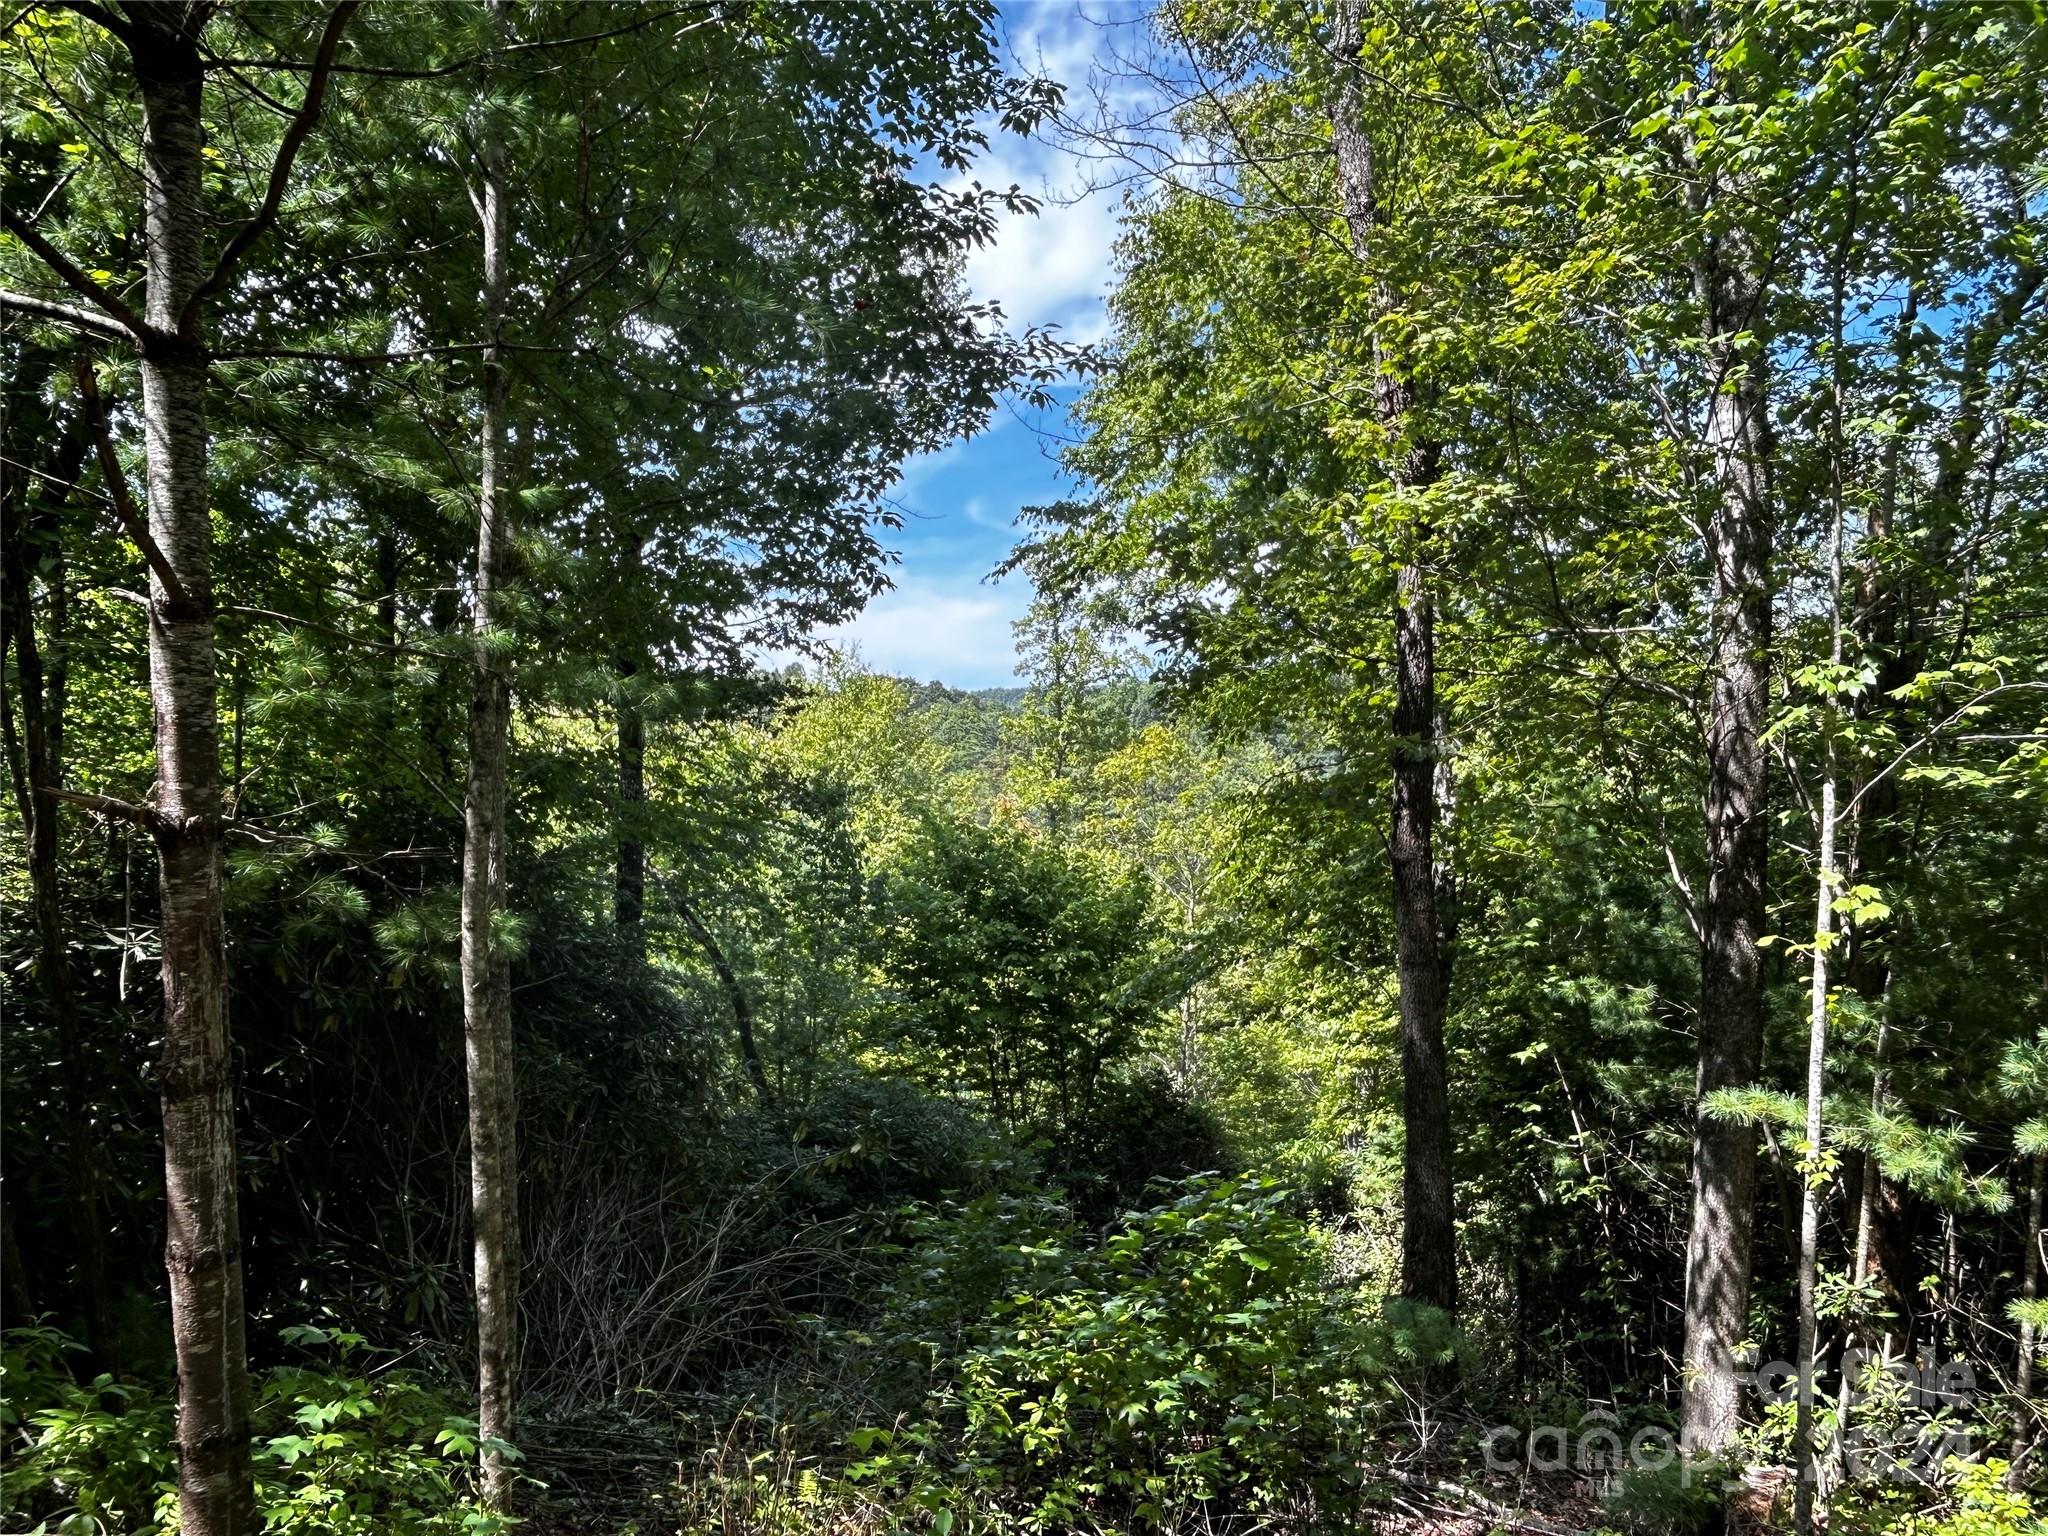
x=940 y=621
x=978 y=512
x=956 y=630
x=1054 y=267
x=1051 y=268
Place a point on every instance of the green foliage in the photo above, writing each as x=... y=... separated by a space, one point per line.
x=1015 y=969
x=339 y=1451
x=1685 y=1498
x=1974 y=1500
x=80 y=1457
x=1140 y=1128
x=1012 y=956
x=1203 y=1356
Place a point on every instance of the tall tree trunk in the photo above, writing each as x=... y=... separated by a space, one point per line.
x=30 y=508
x=1428 y=1242
x=1825 y=881
x=2023 y=1424
x=1874 y=844
x=1428 y=1231
x=14 y=1287
x=204 y=1249
x=1809 y=1205
x=629 y=884
x=486 y=968
x=1729 y=292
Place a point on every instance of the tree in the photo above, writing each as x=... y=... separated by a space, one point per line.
x=1429 y=1272
x=791 y=396
x=33 y=496
x=486 y=967
x=1015 y=970
x=166 y=60
x=1314 y=486
x=1728 y=277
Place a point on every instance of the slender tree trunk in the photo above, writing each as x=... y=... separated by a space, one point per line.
x=1428 y=1231
x=1729 y=293
x=2023 y=1427
x=1873 y=840
x=486 y=968
x=629 y=885
x=203 y=1253
x=1859 y=1258
x=1866 y=1192
x=30 y=507
x=1825 y=881
x=1809 y=1205
x=736 y=995
x=15 y=1294
x=387 y=630
x=1428 y=1266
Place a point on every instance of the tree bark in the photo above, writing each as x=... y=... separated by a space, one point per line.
x=1428 y=1230
x=203 y=1251
x=1825 y=829
x=14 y=1286
x=1729 y=292
x=486 y=967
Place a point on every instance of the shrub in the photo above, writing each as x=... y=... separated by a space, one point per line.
x=1198 y=1358
x=1139 y=1129
x=1982 y=1505
x=1682 y=1499
x=1973 y=1501
x=338 y=1452
x=97 y=1457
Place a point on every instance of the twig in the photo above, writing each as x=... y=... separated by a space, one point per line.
x=329 y=630
x=107 y=806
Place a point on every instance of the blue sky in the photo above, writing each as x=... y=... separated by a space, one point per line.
x=943 y=620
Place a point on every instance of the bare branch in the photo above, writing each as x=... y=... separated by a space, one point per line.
x=67 y=269
x=1933 y=734
x=371 y=359
x=326 y=629
x=1686 y=901
x=100 y=16
x=117 y=487
x=280 y=169
x=468 y=61
x=46 y=309
x=107 y=806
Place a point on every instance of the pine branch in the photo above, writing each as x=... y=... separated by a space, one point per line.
x=100 y=16
x=329 y=630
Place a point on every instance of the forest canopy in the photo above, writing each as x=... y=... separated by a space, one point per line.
x=1491 y=973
